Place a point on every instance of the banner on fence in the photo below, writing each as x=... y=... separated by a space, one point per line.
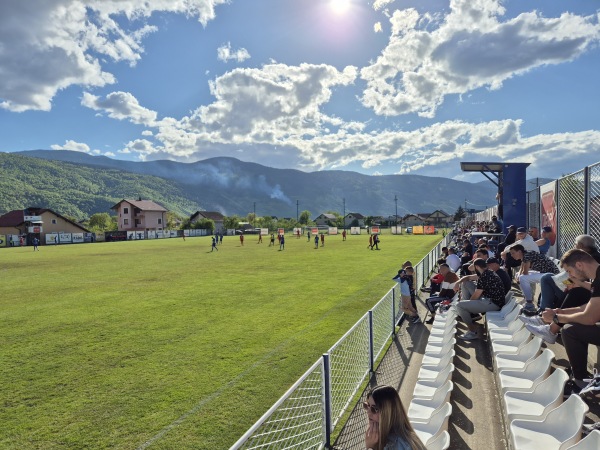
x=77 y=238
x=429 y=229
x=264 y=231
x=333 y=230
x=418 y=229
x=280 y=231
x=396 y=230
x=65 y=238
x=100 y=237
x=549 y=212
x=2 y=240
x=186 y=233
x=51 y=238
x=354 y=230
x=375 y=230
x=314 y=231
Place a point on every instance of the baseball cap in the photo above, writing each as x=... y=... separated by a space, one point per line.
x=510 y=227
x=521 y=230
x=491 y=261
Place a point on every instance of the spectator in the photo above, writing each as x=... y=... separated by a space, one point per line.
x=489 y=296
x=388 y=427
x=453 y=260
x=402 y=280
x=449 y=278
x=581 y=325
x=534 y=233
x=410 y=277
x=494 y=265
x=510 y=238
x=526 y=241
x=533 y=266
x=544 y=243
x=576 y=294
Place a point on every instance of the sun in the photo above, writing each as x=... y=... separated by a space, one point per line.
x=339 y=6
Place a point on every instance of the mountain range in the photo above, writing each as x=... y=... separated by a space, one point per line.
x=80 y=184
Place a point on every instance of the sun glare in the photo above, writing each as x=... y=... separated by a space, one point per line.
x=339 y=6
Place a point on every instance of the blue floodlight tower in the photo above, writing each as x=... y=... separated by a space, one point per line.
x=511 y=181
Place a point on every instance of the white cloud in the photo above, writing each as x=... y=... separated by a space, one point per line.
x=377 y=27
x=471 y=48
x=49 y=46
x=120 y=105
x=72 y=145
x=225 y=53
x=380 y=4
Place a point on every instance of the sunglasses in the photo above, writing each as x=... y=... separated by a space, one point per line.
x=374 y=409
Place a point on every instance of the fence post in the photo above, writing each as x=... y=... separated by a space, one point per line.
x=371 y=351
x=327 y=398
x=394 y=311
x=586 y=200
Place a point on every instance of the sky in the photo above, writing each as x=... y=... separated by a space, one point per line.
x=380 y=87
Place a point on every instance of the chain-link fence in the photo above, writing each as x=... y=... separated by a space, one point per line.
x=577 y=209
x=571 y=210
x=306 y=415
x=533 y=209
x=594 y=201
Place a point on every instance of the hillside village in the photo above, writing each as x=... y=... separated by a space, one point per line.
x=146 y=219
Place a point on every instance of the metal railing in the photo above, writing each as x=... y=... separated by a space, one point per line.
x=306 y=415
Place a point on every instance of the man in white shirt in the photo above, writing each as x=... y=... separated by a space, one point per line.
x=453 y=260
x=526 y=241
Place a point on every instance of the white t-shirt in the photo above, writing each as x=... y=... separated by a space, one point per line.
x=453 y=261
x=527 y=242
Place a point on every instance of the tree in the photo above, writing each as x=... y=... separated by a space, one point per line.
x=173 y=219
x=102 y=222
x=231 y=222
x=304 y=218
x=459 y=214
x=204 y=224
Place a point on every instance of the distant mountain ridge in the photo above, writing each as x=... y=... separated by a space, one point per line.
x=232 y=186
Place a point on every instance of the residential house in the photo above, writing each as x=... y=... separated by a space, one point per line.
x=354 y=219
x=216 y=217
x=140 y=215
x=36 y=223
x=440 y=219
x=411 y=220
x=324 y=220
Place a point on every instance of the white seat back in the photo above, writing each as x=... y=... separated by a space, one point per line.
x=563 y=424
x=441 y=442
x=590 y=442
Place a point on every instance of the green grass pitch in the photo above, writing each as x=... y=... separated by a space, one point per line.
x=163 y=344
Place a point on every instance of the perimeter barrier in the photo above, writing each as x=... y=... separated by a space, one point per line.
x=307 y=414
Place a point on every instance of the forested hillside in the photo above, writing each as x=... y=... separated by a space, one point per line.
x=79 y=191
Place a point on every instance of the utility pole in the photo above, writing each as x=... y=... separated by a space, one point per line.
x=297 y=209
x=396 y=201
x=254 y=218
x=344 y=217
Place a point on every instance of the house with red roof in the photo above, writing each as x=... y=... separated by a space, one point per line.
x=140 y=215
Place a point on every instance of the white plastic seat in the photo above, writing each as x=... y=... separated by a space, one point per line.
x=441 y=326
x=427 y=388
x=503 y=323
x=509 y=305
x=512 y=343
x=441 y=442
x=501 y=333
x=518 y=360
x=431 y=359
x=440 y=337
x=560 y=429
x=421 y=409
x=432 y=372
x=537 y=404
x=590 y=442
x=527 y=378
x=439 y=347
x=437 y=424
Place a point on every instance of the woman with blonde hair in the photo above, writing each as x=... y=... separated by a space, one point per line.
x=389 y=427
